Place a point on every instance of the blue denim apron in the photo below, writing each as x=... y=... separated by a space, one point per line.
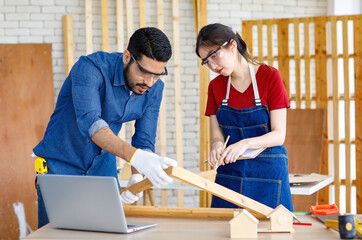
x=264 y=178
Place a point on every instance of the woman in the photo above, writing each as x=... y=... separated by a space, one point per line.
x=250 y=121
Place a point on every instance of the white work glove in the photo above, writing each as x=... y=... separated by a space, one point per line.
x=152 y=165
x=128 y=197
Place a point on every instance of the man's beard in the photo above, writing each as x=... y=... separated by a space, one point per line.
x=127 y=79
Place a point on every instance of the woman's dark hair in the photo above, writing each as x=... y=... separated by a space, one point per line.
x=217 y=34
x=152 y=43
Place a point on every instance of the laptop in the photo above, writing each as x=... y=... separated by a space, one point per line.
x=89 y=203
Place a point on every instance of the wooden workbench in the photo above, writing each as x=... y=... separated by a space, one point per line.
x=189 y=229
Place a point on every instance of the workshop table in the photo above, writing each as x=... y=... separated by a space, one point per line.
x=176 y=228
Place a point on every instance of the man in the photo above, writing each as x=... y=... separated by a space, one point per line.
x=103 y=91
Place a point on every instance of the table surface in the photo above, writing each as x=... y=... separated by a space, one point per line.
x=189 y=229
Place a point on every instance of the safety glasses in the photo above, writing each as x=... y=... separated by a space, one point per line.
x=213 y=56
x=147 y=73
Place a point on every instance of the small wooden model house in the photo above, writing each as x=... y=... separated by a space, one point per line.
x=243 y=225
x=281 y=220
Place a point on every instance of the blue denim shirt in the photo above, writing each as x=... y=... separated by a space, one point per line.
x=93 y=96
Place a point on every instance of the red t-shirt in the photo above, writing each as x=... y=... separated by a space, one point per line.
x=270 y=86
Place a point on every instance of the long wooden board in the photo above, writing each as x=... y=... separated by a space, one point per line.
x=180 y=212
x=259 y=210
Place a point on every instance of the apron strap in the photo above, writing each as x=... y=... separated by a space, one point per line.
x=257 y=99
x=225 y=101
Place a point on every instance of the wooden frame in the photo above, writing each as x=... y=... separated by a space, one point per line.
x=321 y=97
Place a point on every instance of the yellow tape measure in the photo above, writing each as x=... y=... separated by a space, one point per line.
x=40 y=165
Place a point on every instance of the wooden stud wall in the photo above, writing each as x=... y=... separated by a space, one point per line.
x=317 y=96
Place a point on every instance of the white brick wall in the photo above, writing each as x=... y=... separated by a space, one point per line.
x=40 y=21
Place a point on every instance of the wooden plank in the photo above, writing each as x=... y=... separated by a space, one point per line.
x=200 y=10
x=335 y=111
x=88 y=27
x=247 y=33
x=129 y=17
x=142 y=13
x=120 y=29
x=308 y=90
x=105 y=36
x=269 y=29
x=160 y=14
x=260 y=42
x=347 y=119
x=177 y=212
x=283 y=52
x=27 y=101
x=357 y=26
x=120 y=47
x=68 y=43
x=177 y=89
x=162 y=114
x=257 y=209
x=297 y=65
x=321 y=94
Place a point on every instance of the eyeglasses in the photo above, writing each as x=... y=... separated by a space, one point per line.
x=146 y=73
x=214 y=55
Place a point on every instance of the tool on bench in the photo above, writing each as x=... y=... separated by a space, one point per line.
x=325 y=212
x=345 y=226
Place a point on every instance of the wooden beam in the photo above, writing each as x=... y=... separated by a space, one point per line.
x=283 y=52
x=177 y=212
x=298 y=87
x=105 y=36
x=347 y=116
x=357 y=25
x=88 y=27
x=129 y=16
x=200 y=11
x=142 y=13
x=321 y=94
x=68 y=43
x=259 y=210
x=162 y=115
x=247 y=33
x=177 y=91
x=308 y=91
x=120 y=29
x=260 y=42
x=337 y=181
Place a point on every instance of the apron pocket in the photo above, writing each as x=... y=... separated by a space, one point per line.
x=266 y=191
x=228 y=181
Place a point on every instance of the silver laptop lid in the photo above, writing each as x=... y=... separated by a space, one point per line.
x=83 y=202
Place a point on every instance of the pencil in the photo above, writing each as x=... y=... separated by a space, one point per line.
x=223 y=147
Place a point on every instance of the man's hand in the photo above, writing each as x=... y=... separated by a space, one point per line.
x=152 y=165
x=128 y=197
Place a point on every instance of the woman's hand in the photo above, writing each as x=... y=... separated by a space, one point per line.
x=232 y=152
x=216 y=150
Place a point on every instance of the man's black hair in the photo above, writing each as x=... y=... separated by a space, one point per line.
x=152 y=43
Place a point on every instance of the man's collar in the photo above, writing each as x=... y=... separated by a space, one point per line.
x=119 y=77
